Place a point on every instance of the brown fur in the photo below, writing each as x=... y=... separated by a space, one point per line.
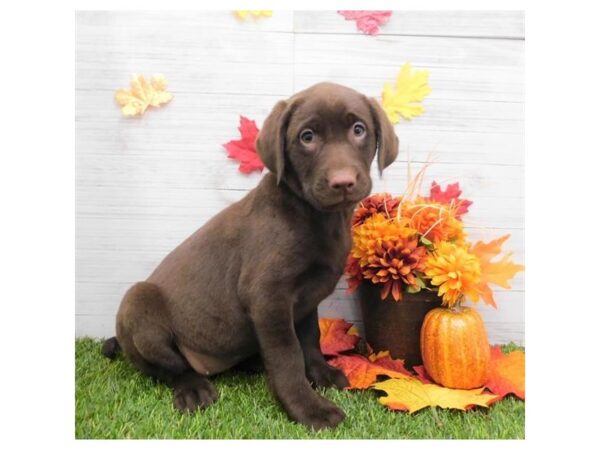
x=250 y=280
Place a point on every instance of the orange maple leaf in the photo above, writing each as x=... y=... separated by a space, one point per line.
x=499 y=272
x=384 y=360
x=361 y=372
x=409 y=394
x=337 y=336
x=507 y=373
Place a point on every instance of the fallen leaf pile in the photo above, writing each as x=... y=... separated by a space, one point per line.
x=408 y=391
x=244 y=149
x=142 y=94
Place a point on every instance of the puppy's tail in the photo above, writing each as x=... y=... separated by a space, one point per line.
x=111 y=348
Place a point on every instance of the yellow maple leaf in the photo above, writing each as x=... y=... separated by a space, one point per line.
x=143 y=93
x=499 y=272
x=404 y=99
x=409 y=394
x=245 y=14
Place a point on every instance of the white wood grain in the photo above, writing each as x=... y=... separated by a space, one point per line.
x=144 y=184
x=490 y=24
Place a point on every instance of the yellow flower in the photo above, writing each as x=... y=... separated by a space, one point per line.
x=455 y=271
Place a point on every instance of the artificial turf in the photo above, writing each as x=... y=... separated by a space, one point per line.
x=114 y=401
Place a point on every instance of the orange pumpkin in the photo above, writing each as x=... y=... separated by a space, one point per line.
x=455 y=348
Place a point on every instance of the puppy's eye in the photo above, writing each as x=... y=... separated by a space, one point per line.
x=307 y=136
x=359 y=129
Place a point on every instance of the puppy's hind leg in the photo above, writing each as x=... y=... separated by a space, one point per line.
x=111 y=348
x=144 y=334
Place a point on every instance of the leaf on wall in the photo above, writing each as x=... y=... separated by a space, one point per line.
x=244 y=149
x=368 y=21
x=405 y=97
x=142 y=94
x=254 y=14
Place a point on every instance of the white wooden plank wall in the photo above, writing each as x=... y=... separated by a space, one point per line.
x=145 y=184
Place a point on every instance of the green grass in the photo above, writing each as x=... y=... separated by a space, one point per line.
x=114 y=401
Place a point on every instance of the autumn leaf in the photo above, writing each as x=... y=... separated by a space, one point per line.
x=451 y=194
x=404 y=98
x=384 y=360
x=422 y=375
x=507 y=373
x=244 y=149
x=362 y=372
x=337 y=336
x=368 y=21
x=409 y=394
x=254 y=14
x=499 y=273
x=142 y=94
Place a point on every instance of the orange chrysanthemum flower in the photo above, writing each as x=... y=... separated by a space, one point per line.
x=385 y=251
x=455 y=271
x=434 y=221
x=394 y=264
x=375 y=230
x=377 y=203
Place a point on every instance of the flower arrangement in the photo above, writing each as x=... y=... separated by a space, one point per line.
x=411 y=242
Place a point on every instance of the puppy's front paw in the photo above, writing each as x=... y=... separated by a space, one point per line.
x=192 y=393
x=322 y=414
x=323 y=375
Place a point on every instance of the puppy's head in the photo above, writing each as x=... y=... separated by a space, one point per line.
x=321 y=142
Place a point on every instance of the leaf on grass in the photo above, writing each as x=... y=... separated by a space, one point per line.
x=384 y=360
x=507 y=374
x=362 y=373
x=409 y=394
x=254 y=14
x=142 y=94
x=499 y=273
x=368 y=21
x=244 y=149
x=422 y=375
x=404 y=99
x=337 y=336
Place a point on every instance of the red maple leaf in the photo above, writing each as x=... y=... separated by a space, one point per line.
x=451 y=193
x=367 y=21
x=244 y=149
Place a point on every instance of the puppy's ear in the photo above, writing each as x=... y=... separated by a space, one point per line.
x=270 y=142
x=387 y=141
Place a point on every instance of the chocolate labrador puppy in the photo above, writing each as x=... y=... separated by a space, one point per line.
x=250 y=280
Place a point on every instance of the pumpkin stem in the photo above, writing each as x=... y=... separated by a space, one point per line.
x=458 y=307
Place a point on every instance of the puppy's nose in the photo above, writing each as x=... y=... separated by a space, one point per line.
x=342 y=179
